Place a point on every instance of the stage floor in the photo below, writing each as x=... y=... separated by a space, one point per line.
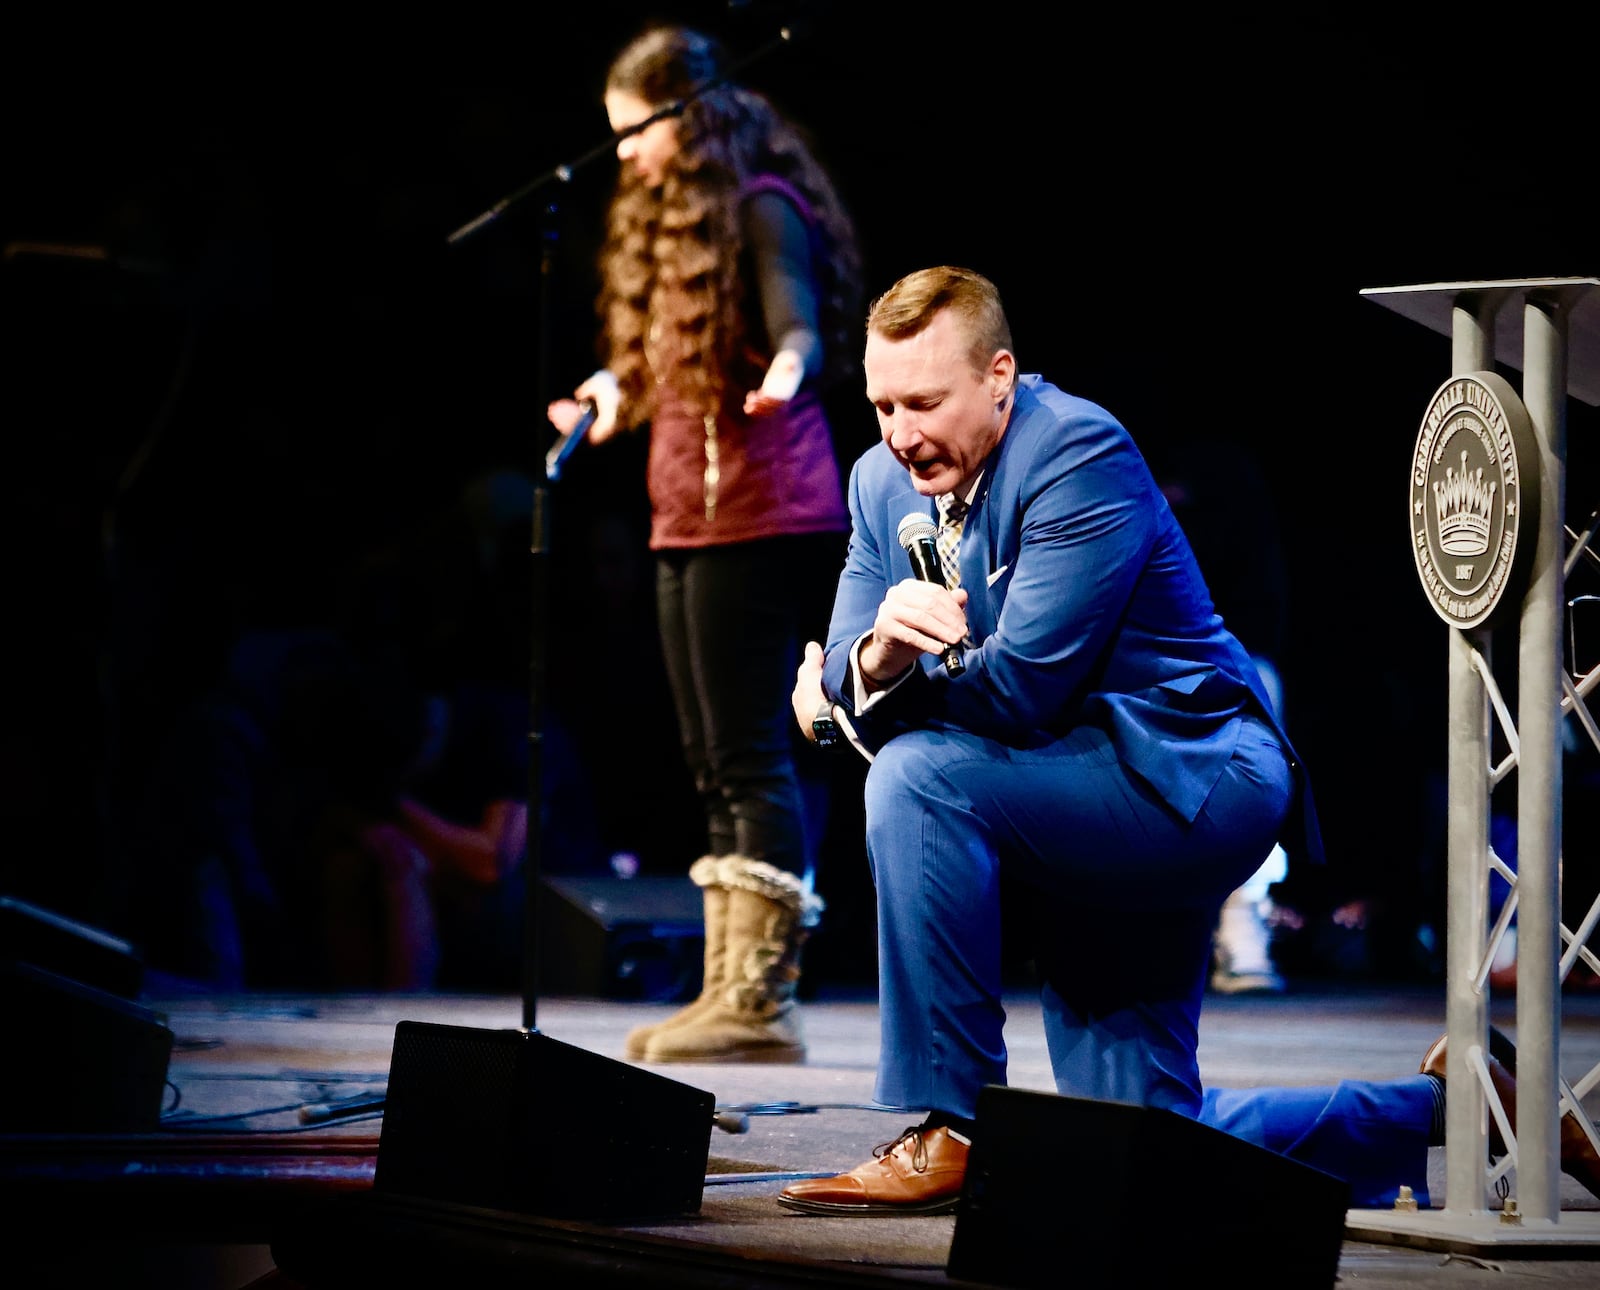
x=251 y=1180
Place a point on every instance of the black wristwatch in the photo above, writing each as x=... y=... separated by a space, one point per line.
x=824 y=728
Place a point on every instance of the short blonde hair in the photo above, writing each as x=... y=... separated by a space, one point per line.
x=918 y=298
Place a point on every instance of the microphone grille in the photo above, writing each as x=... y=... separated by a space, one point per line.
x=913 y=528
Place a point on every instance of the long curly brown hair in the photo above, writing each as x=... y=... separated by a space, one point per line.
x=671 y=255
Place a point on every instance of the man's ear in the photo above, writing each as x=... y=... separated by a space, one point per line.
x=1002 y=375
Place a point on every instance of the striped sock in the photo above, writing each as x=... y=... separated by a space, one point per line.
x=1436 y=1129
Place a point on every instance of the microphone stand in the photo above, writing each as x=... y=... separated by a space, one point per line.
x=540 y=544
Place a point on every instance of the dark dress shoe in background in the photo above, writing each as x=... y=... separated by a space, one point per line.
x=920 y=1172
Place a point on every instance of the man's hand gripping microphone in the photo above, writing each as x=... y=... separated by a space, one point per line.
x=917 y=535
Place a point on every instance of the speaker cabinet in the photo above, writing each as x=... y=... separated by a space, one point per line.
x=91 y=1061
x=1072 y=1190
x=623 y=938
x=516 y=1120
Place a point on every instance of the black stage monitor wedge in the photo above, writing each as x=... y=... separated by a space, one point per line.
x=623 y=938
x=1064 y=1190
x=87 y=1060
x=516 y=1120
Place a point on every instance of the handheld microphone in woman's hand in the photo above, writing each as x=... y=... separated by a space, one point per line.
x=562 y=448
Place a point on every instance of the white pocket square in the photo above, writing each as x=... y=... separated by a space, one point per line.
x=996 y=575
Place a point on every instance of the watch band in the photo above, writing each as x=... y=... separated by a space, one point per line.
x=825 y=727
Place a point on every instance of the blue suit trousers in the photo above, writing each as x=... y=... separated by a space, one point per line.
x=1374 y=1134
x=1120 y=896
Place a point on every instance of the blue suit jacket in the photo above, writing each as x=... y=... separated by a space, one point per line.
x=1085 y=605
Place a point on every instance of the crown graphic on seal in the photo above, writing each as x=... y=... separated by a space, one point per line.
x=1463 y=502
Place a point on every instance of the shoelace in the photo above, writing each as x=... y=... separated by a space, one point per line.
x=919 y=1147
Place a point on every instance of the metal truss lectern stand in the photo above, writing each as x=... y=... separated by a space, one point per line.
x=1559 y=317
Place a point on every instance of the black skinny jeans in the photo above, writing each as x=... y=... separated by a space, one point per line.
x=733 y=620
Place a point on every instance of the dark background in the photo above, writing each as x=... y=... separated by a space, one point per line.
x=243 y=362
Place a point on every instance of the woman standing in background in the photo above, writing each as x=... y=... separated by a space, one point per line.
x=729 y=303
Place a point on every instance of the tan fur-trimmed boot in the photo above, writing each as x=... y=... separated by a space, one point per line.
x=754 y=1017
x=706 y=873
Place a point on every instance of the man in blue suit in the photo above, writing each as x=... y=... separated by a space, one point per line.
x=1064 y=711
x=1098 y=737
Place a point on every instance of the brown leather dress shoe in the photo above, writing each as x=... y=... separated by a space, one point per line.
x=920 y=1172
x=1578 y=1156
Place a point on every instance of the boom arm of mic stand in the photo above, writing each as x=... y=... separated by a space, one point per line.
x=565 y=172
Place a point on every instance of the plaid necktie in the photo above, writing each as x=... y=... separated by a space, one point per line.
x=952 y=511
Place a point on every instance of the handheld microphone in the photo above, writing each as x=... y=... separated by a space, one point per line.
x=565 y=443
x=916 y=534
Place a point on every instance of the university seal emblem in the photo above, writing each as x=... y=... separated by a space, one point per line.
x=1474 y=499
